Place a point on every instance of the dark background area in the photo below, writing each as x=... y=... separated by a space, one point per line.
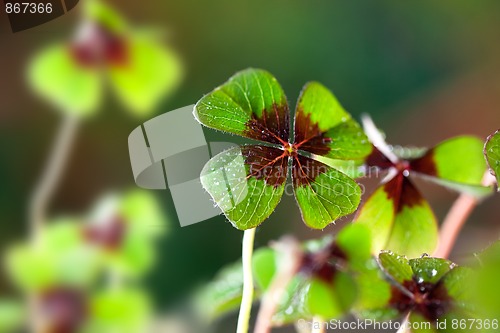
x=425 y=70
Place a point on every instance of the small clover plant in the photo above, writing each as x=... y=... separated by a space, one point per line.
x=125 y=229
x=426 y=290
x=248 y=182
x=80 y=274
x=398 y=215
x=139 y=69
x=66 y=267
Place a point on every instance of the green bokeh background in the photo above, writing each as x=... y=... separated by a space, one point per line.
x=426 y=70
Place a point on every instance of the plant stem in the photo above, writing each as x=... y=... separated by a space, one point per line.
x=453 y=223
x=247 y=299
x=289 y=264
x=456 y=218
x=321 y=327
x=51 y=174
x=115 y=279
x=36 y=323
x=41 y=196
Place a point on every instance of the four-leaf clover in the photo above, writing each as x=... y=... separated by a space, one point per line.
x=428 y=291
x=248 y=182
x=400 y=218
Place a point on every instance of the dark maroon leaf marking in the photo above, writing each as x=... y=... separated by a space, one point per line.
x=305 y=170
x=100 y=47
x=425 y=164
x=325 y=263
x=308 y=136
x=109 y=235
x=271 y=164
x=377 y=159
x=273 y=127
x=429 y=300
x=266 y=163
x=404 y=194
x=65 y=309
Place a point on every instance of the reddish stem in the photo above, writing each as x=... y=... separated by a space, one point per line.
x=456 y=218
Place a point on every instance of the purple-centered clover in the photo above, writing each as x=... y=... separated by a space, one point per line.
x=398 y=215
x=248 y=182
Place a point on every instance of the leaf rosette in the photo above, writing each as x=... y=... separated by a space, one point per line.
x=248 y=182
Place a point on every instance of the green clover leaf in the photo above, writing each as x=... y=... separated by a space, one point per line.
x=492 y=153
x=55 y=75
x=12 y=315
x=61 y=257
x=124 y=310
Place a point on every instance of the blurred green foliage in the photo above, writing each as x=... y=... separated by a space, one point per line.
x=95 y=260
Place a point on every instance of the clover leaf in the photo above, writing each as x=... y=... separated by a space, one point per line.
x=124 y=310
x=222 y=295
x=330 y=281
x=492 y=153
x=248 y=182
x=12 y=315
x=61 y=257
x=485 y=282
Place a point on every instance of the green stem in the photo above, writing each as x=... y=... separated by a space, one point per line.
x=115 y=279
x=41 y=196
x=248 y=288
x=51 y=175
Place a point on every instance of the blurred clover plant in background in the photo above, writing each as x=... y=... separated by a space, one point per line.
x=82 y=273
x=84 y=269
x=105 y=49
